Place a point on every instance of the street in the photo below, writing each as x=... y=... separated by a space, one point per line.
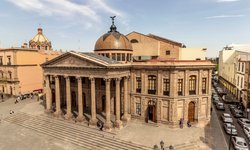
x=239 y=129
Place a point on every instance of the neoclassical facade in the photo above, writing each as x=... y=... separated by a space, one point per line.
x=110 y=86
x=83 y=85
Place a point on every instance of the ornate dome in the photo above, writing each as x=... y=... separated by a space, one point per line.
x=113 y=40
x=40 y=41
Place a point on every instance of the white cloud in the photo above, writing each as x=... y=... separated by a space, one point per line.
x=222 y=1
x=224 y=16
x=88 y=13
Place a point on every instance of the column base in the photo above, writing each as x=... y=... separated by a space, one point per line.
x=57 y=114
x=118 y=124
x=68 y=116
x=80 y=118
x=107 y=126
x=48 y=111
x=126 y=117
x=93 y=122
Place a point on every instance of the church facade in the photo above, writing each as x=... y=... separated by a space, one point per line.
x=109 y=83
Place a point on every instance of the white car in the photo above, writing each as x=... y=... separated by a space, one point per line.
x=226 y=118
x=239 y=143
x=230 y=129
x=243 y=121
x=246 y=130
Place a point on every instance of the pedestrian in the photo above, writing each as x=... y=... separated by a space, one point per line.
x=181 y=123
x=188 y=124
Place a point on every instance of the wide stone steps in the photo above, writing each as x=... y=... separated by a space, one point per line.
x=81 y=136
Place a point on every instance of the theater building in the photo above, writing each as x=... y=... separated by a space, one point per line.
x=110 y=84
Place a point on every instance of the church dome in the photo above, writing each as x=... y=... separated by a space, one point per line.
x=113 y=40
x=40 y=41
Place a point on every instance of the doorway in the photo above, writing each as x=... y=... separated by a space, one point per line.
x=151 y=111
x=103 y=103
x=191 y=112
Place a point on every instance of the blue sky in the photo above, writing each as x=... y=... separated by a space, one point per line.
x=77 y=24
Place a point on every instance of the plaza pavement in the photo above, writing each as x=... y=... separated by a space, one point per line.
x=19 y=138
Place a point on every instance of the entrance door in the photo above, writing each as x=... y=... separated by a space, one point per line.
x=191 y=111
x=151 y=113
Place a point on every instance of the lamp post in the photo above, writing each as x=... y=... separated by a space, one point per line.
x=171 y=147
x=162 y=145
x=156 y=147
x=230 y=137
x=247 y=112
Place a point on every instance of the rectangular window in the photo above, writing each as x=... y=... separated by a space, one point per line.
x=192 y=85
x=241 y=82
x=9 y=60
x=118 y=57
x=138 y=108
x=239 y=66
x=238 y=81
x=204 y=85
x=113 y=56
x=180 y=87
x=151 y=84
x=138 y=84
x=242 y=67
x=107 y=55
x=123 y=57
x=166 y=87
x=128 y=57
x=1 y=60
x=168 y=52
x=102 y=82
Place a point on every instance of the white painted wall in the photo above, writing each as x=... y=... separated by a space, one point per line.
x=192 y=53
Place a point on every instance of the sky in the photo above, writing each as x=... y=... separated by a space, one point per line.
x=77 y=24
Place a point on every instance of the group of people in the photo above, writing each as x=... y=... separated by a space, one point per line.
x=182 y=122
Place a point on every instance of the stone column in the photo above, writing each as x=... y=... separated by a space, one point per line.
x=58 y=97
x=80 y=116
x=48 y=95
x=125 y=116
x=173 y=83
x=93 y=120
x=68 y=98
x=107 y=124
x=186 y=83
x=118 y=123
x=199 y=80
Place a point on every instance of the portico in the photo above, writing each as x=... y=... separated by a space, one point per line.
x=91 y=81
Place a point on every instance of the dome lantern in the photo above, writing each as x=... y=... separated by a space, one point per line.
x=40 y=41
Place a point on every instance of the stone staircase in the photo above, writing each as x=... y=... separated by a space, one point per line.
x=84 y=137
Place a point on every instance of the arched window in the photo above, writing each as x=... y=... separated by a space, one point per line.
x=38 y=47
x=192 y=85
x=10 y=75
x=151 y=84
x=46 y=48
x=134 y=41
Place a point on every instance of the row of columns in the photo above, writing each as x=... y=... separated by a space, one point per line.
x=80 y=117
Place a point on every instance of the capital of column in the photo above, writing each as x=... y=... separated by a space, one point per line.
x=78 y=77
x=91 y=79
x=107 y=79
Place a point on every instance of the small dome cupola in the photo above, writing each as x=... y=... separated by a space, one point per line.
x=114 y=45
x=40 y=41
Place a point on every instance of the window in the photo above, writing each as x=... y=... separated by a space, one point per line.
x=204 y=85
x=138 y=108
x=238 y=81
x=113 y=56
x=242 y=67
x=107 y=55
x=241 y=82
x=10 y=75
x=3 y=89
x=46 y=48
x=1 y=60
x=118 y=57
x=123 y=57
x=38 y=47
x=168 y=52
x=180 y=87
x=192 y=85
x=239 y=66
x=83 y=80
x=128 y=57
x=151 y=84
x=102 y=82
x=138 y=84
x=166 y=86
x=9 y=60
x=134 y=41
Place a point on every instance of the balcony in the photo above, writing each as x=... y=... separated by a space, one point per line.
x=192 y=92
x=152 y=92
x=138 y=90
x=166 y=93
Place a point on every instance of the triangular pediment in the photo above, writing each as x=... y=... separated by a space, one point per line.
x=72 y=60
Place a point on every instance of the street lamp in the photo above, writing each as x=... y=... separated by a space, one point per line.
x=248 y=110
x=162 y=145
x=171 y=147
x=229 y=143
x=156 y=147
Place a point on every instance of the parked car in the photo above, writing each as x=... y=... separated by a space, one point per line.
x=239 y=143
x=243 y=121
x=230 y=128
x=216 y=101
x=231 y=107
x=226 y=118
x=237 y=113
x=246 y=130
x=220 y=106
